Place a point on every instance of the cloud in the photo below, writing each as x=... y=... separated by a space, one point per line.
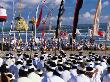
x=104 y=19
x=87 y=15
x=106 y=3
x=87 y=18
x=28 y=3
x=5 y=5
x=57 y=2
x=92 y=10
x=23 y=5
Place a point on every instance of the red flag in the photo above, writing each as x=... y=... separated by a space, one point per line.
x=44 y=26
x=40 y=15
x=101 y=33
x=44 y=23
x=39 y=19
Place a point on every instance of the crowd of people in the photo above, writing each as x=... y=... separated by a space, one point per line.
x=52 y=44
x=61 y=67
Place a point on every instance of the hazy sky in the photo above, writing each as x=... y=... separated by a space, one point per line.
x=86 y=13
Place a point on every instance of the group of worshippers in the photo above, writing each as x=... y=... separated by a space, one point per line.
x=60 y=67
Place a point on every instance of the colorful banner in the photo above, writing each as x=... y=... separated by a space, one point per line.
x=39 y=18
x=61 y=11
x=79 y=4
x=96 y=18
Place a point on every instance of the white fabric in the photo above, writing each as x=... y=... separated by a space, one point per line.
x=10 y=62
x=56 y=79
x=47 y=77
x=104 y=65
x=73 y=79
x=66 y=75
x=73 y=75
x=24 y=79
x=73 y=72
x=100 y=71
x=3 y=12
x=34 y=77
x=1 y=61
x=106 y=78
x=93 y=79
x=82 y=78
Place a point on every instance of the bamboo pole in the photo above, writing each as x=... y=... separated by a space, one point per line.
x=106 y=41
x=2 y=35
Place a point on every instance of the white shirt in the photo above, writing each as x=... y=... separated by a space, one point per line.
x=100 y=71
x=56 y=79
x=72 y=79
x=24 y=79
x=47 y=77
x=73 y=72
x=82 y=78
x=66 y=75
x=1 y=61
x=106 y=78
x=34 y=77
x=93 y=79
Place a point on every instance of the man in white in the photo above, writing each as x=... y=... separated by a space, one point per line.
x=106 y=78
x=33 y=76
x=23 y=72
x=81 y=74
x=73 y=72
x=66 y=75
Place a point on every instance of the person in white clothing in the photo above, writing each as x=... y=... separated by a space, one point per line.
x=106 y=78
x=81 y=74
x=66 y=73
x=23 y=72
x=33 y=76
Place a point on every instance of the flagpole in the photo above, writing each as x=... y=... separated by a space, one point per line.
x=105 y=42
x=14 y=41
x=26 y=30
x=2 y=35
x=106 y=36
x=13 y=15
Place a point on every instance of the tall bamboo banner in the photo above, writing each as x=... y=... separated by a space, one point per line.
x=79 y=4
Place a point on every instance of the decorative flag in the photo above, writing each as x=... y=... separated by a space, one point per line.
x=61 y=11
x=3 y=14
x=79 y=4
x=39 y=18
x=44 y=24
x=101 y=33
x=96 y=18
x=40 y=15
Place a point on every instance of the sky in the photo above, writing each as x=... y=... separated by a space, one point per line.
x=85 y=17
